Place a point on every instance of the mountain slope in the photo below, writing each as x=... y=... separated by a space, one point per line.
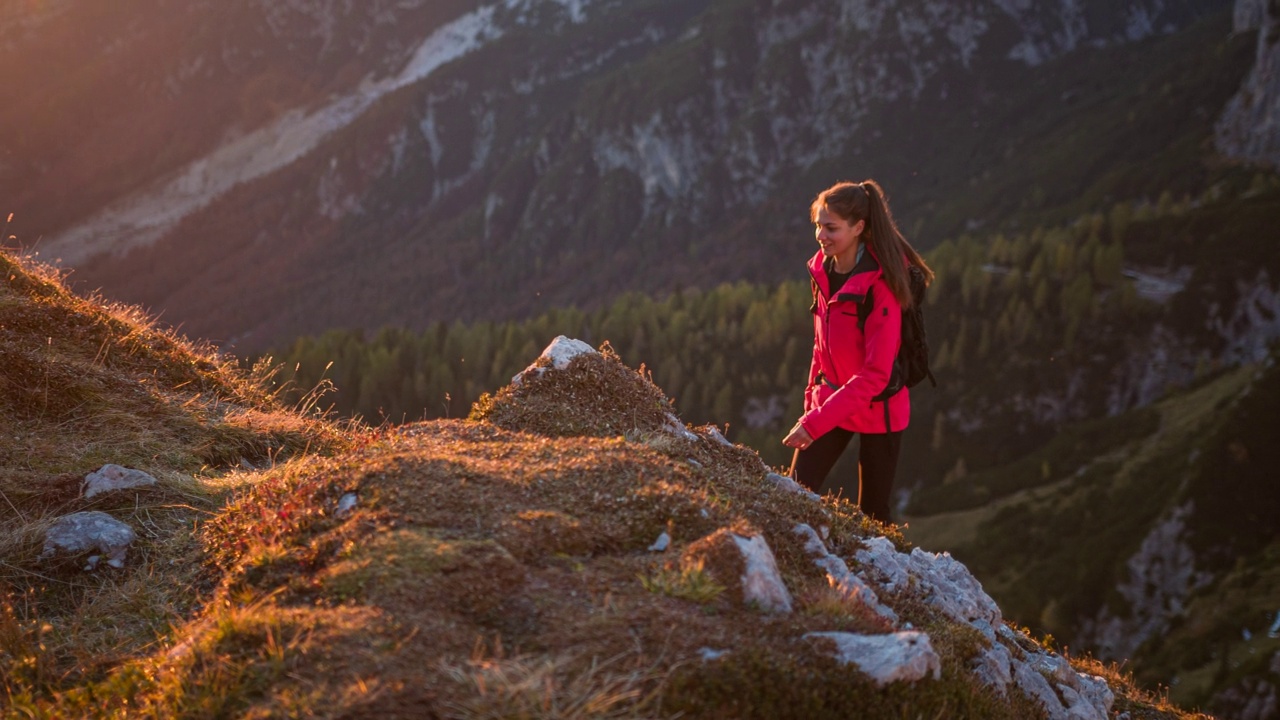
x=671 y=130
x=1142 y=551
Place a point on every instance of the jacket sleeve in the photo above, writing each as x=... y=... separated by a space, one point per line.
x=881 y=337
x=814 y=368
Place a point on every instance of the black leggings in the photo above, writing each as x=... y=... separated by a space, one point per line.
x=877 y=463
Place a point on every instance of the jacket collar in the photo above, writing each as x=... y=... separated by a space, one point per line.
x=867 y=264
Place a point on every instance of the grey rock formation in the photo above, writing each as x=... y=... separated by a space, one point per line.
x=902 y=656
x=1010 y=660
x=1162 y=576
x=1249 y=128
x=89 y=531
x=109 y=478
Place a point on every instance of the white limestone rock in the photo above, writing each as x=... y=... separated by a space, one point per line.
x=839 y=576
x=677 y=428
x=714 y=433
x=884 y=564
x=1035 y=686
x=661 y=544
x=761 y=583
x=993 y=667
x=785 y=483
x=945 y=582
x=898 y=657
x=560 y=353
x=347 y=503
x=88 y=531
x=953 y=589
x=110 y=477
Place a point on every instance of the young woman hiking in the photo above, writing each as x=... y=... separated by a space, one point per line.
x=860 y=251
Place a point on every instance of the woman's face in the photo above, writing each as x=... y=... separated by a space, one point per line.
x=835 y=235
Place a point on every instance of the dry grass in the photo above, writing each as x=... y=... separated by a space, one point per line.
x=84 y=383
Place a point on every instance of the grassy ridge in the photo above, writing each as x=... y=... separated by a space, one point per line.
x=83 y=383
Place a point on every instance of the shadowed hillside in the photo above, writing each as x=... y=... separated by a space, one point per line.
x=572 y=550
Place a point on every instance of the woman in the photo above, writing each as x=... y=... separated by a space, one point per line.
x=860 y=251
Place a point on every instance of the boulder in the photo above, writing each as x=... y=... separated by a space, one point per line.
x=898 y=657
x=86 y=532
x=761 y=583
x=109 y=478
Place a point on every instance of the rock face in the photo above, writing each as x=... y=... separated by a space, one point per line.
x=109 y=478
x=1162 y=577
x=87 y=532
x=1249 y=128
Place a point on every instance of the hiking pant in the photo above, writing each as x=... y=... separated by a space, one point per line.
x=877 y=463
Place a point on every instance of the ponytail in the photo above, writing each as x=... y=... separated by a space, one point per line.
x=866 y=201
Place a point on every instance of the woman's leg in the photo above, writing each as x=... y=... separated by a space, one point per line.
x=877 y=464
x=814 y=462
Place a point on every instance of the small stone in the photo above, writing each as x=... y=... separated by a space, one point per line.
x=87 y=531
x=709 y=654
x=661 y=544
x=347 y=503
x=114 y=477
x=897 y=657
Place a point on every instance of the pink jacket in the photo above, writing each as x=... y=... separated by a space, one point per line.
x=851 y=365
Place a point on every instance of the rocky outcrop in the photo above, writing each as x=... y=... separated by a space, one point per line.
x=1011 y=659
x=1249 y=128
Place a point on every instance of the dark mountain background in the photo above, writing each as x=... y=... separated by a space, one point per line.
x=258 y=170
x=409 y=199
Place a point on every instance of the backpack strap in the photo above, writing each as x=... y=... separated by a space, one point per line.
x=864 y=309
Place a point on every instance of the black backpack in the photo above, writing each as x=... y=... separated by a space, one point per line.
x=912 y=364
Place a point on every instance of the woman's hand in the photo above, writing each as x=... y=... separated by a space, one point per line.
x=798 y=438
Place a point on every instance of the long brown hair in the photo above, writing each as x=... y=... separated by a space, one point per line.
x=866 y=201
